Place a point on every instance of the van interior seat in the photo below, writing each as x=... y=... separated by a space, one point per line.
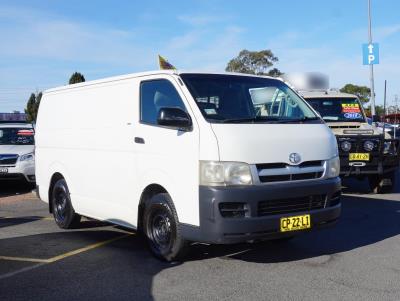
x=233 y=105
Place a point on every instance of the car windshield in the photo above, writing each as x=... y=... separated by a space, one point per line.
x=247 y=99
x=338 y=109
x=16 y=136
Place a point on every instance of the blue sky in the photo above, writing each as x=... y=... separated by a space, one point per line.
x=44 y=42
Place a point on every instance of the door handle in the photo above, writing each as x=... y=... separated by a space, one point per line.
x=139 y=140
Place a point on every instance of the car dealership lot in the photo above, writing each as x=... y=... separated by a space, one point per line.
x=357 y=259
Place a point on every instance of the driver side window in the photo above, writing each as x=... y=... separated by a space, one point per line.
x=157 y=94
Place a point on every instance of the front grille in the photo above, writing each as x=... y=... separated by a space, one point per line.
x=270 y=165
x=282 y=206
x=344 y=126
x=8 y=159
x=291 y=177
x=281 y=172
x=11 y=176
x=311 y=163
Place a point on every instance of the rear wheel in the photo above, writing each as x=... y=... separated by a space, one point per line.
x=63 y=212
x=161 y=228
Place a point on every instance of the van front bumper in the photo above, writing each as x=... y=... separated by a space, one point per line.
x=258 y=224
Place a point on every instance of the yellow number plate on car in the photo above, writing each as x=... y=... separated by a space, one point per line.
x=358 y=157
x=294 y=223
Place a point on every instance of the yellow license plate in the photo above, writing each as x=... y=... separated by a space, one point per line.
x=358 y=157
x=294 y=223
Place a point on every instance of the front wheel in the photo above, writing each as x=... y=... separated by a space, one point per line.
x=162 y=230
x=63 y=212
x=382 y=184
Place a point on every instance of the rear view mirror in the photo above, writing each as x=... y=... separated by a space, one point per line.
x=175 y=118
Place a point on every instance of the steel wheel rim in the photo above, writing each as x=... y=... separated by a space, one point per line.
x=60 y=203
x=161 y=232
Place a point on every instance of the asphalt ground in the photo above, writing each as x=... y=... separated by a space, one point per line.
x=358 y=259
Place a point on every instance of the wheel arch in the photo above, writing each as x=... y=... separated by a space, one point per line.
x=148 y=192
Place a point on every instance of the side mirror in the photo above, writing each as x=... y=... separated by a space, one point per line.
x=175 y=118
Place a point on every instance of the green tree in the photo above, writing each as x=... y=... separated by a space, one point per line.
x=275 y=72
x=76 y=77
x=363 y=92
x=379 y=111
x=32 y=107
x=254 y=62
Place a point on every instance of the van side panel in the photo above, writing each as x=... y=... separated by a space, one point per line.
x=87 y=134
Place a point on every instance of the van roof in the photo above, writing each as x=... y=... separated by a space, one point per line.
x=326 y=94
x=140 y=74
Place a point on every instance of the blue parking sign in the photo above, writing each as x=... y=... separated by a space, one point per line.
x=370 y=54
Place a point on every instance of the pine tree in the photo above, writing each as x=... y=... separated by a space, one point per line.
x=32 y=107
x=76 y=77
x=37 y=104
x=30 y=110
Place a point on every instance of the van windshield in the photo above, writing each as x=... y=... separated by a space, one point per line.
x=338 y=109
x=16 y=136
x=247 y=99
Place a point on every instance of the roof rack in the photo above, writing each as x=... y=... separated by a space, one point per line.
x=314 y=90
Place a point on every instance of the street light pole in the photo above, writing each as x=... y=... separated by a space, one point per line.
x=371 y=67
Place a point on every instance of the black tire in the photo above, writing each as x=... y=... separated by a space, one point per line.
x=374 y=183
x=63 y=212
x=378 y=183
x=161 y=229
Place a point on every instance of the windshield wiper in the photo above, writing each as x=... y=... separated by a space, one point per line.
x=252 y=119
x=303 y=119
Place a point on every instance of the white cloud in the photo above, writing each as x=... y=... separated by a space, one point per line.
x=38 y=35
x=201 y=20
x=205 y=49
x=384 y=32
x=54 y=46
x=379 y=33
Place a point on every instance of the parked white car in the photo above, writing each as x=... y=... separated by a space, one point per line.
x=17 y=157
x=217 y=158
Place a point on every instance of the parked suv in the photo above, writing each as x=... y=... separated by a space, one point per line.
x=17 y=158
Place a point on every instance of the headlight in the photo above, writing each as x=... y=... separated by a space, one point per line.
x=27 y=157
x=333 y=167
x=387 y=146
x=369 y=145
x=217 y=173
x=345 y=146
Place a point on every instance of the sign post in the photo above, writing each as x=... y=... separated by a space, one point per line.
x=371 y=57
x=370 y=54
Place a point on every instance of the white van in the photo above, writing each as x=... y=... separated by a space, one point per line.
x=183 y=157
x=17 y=152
